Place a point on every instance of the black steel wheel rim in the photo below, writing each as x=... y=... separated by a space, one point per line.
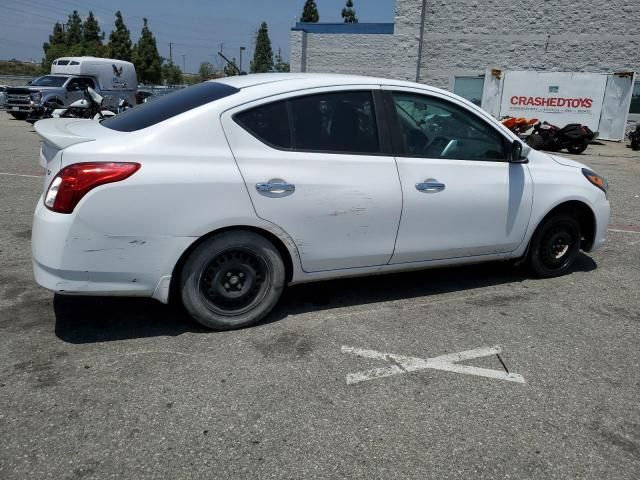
x=234 y=281
x=556 y=247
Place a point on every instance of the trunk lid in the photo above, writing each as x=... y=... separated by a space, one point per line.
x=60 y=133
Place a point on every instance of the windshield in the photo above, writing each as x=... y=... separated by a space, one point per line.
x=168 y=106
x=49 y=81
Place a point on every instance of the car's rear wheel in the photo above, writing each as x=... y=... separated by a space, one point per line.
x=578 y=148
x=554 y=246
x=232 y=280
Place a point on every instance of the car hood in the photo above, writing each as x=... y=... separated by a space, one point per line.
x=567 y=162
x=26 y=90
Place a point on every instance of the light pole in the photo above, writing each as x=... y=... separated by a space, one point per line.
x=242 y=49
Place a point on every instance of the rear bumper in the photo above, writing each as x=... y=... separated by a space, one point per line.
x=70 y=257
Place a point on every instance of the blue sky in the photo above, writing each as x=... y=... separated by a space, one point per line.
x=196 y=27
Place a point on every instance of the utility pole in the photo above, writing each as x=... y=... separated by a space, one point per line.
x=422 y=19
x=184 y=63
x=220 y=52
x=170 y=52
x=242 y=49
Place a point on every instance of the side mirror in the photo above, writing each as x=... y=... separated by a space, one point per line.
x=518 y=152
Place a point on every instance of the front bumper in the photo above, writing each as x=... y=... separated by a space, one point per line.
x=18 y=107
x=70 y=257
x=602 y=211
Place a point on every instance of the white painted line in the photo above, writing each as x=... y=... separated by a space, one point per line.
x=447 y=363
x=21 y=175
x=622 y=231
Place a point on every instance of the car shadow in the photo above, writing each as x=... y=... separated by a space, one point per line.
x=81 y=319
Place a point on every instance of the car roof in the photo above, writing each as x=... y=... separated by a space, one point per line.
x=283 y=80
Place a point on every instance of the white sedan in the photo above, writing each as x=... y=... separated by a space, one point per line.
x=221 y=194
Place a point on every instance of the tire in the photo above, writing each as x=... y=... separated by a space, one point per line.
x=232 y=280
x=535 y=141
x=578 y=148
x=19 y=115
x=554 y=246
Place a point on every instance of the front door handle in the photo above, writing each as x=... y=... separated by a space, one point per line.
x=275 y=188
x=430 y=185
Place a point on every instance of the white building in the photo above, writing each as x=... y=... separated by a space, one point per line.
x=451 y=43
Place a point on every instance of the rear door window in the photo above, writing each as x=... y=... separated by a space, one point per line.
x=268 y=123
x=341 y=122
x=336 y=122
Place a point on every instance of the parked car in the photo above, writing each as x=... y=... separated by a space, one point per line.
x=66 y=84
x=226 y=191
x=3 y=89
x=142 y=96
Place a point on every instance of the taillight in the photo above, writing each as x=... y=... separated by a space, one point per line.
x=75 y=181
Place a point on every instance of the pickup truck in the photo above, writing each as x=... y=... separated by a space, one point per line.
x=61 y=89
x=68 y=78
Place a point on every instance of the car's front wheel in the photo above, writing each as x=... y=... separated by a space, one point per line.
x=232 y=280
x=554 y=246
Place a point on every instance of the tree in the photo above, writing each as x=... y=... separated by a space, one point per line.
x=120 y=41
x=74 y=29
x=349 y=13
x=206 y=71
x=171 y=73
x=310 y=12
x=281 y=66
x=91 y=37
x=231 y=70
x=146 y=58
x=56 y=46
x=263 y=56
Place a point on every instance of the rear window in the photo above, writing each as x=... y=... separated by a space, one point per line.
x=168 y=106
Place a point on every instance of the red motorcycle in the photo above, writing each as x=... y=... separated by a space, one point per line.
x=575 y=138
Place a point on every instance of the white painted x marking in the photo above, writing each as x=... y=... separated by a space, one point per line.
x=447 y=363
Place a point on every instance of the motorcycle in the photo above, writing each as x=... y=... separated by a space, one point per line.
x=575 y=138
x=123 y=106
x=635 y=138
x=88 y=107
x=520 y=126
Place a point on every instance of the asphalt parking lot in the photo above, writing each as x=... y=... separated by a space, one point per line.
x=124 y=388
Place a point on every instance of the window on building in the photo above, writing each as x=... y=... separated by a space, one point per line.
x=342 y=122
x=469 y=88
x=635 y=99
x=435 y=128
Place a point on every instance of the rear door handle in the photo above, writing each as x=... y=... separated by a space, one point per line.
x=275 y=188
x=430 y=186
